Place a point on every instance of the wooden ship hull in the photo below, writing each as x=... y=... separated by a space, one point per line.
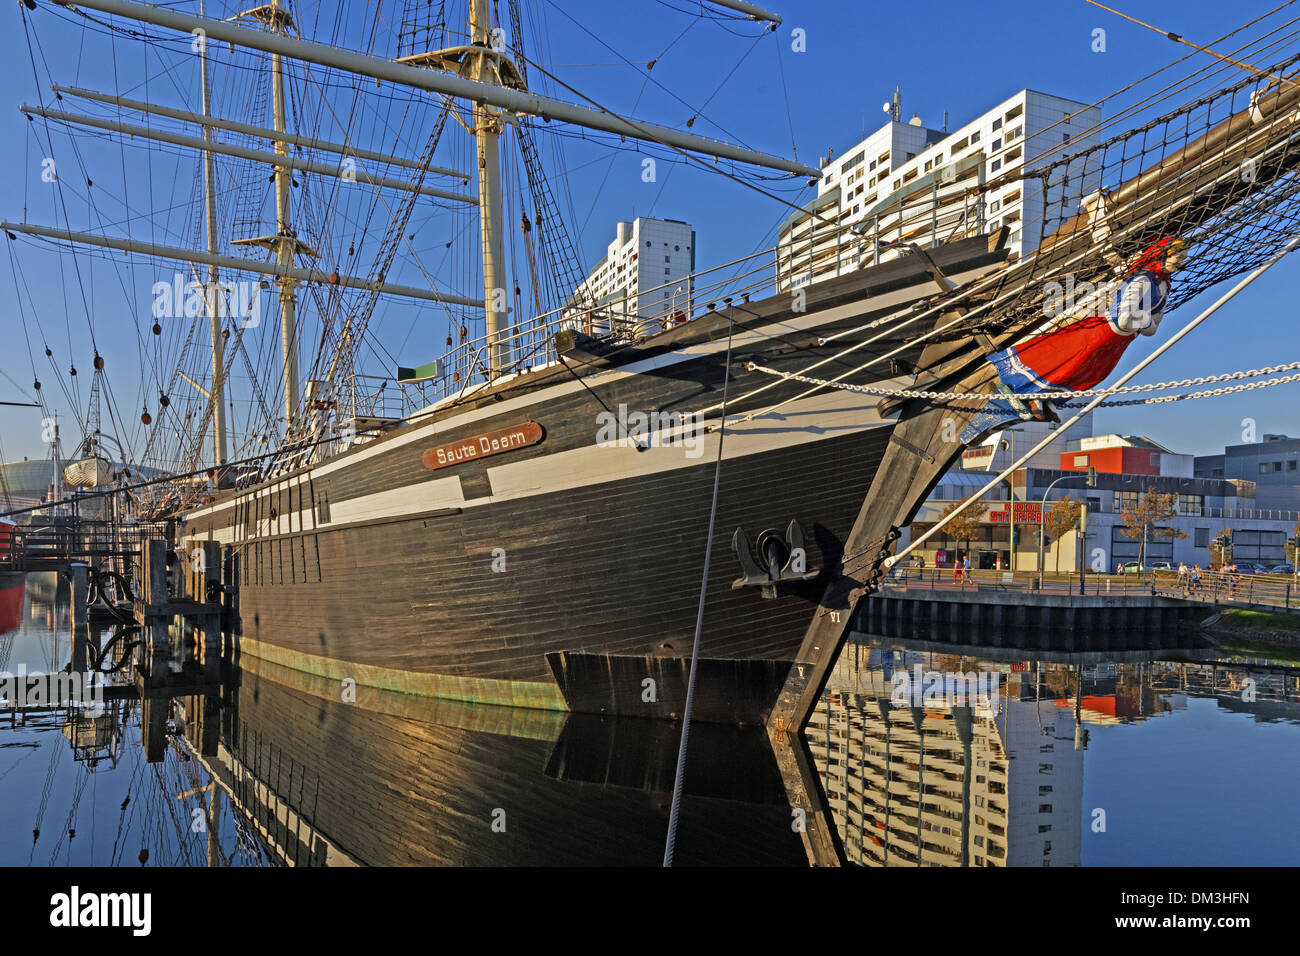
x=564 y=570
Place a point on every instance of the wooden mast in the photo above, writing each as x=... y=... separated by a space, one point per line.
x=214 y=287
x=487 y=134
x=285 y=242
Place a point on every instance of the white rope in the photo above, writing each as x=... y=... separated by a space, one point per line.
x=1066 y=393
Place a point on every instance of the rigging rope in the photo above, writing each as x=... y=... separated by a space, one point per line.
x=680 y=774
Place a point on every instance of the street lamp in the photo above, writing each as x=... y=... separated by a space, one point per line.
x=1091 y=482
x=1010 y=445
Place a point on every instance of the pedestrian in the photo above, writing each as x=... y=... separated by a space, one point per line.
x=956 y=570
x=1196 y=576
x=1182 y=574
x=1119 y=567
x=965 y=567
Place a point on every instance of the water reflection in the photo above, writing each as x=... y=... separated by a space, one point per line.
x=203 y=760
x=949 y=779
x=240 y=762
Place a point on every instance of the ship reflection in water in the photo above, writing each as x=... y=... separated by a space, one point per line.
x=1152 y=756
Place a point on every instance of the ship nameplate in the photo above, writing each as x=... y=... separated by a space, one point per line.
x=482 y=446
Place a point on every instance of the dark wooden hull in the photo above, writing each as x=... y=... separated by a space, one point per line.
x=566 y=572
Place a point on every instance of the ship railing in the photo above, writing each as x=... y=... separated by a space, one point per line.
x=531 y=343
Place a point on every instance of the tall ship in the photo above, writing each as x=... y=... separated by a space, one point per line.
x=546 y=514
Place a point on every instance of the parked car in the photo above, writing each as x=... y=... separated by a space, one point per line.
x=1282 y=569
x=1161 y=566
x=1132 y=567
x=1250 y=567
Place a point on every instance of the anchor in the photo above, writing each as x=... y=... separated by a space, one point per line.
x=785 y=557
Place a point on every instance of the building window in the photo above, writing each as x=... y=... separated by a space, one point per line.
x=1202 y=539
x=1191 y=505
x=1044 y=808
x=997 y=124
x=668 y=258
x=1044 y=828
x=1290 y=465
x=975 y=136
x=997 y=144
x=997 y=164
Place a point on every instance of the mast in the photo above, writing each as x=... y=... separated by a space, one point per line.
x=487 y=133
x=285 y=244
x=214 y=312
x=506 y=96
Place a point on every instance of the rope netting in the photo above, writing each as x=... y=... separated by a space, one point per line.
x=1217 y=172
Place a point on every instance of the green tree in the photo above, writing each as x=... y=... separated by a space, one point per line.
x=965 y=525
x=1219 y=553
x=1058 y=521
x=1142 y=520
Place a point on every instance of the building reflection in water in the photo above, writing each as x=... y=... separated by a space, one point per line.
x=996 y=782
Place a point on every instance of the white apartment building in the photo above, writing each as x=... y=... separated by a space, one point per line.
x=646 y=274
x=911 y=183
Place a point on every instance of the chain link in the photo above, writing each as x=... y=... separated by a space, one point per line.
x=1082 y=393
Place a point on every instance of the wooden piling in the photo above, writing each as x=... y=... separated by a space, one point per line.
x=80 y=574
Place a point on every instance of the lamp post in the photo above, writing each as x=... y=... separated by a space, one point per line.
x=1010 y=445
x=1091 y=479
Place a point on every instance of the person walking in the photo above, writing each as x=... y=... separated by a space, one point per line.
x=956 y=570
x=1182 y=574
x=1196 y=576
x=965 y=568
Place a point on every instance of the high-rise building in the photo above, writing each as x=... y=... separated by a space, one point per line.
x=911 y=183
x=646 y=275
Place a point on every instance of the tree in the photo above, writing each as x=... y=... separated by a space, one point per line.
x=1058 y=521
x=1221 y=547
x=1142 y=520
x=1290 y=545
x=967 y=524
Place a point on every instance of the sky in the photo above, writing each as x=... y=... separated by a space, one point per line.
x=949 y=56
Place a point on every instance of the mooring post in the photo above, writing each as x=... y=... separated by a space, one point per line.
x=156 y=621
x=229 y=597
x=80 y=573
x=212 y=598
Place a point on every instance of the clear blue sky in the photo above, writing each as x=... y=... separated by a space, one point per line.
x=947 y=55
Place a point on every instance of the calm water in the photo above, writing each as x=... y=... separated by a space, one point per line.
x=1164 y=757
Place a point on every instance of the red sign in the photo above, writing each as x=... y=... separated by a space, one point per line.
x=1027 y=511
x=941 y=557
x=482 y=446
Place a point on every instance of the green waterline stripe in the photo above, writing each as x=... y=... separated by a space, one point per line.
x=528 y=723
x=540 y=695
